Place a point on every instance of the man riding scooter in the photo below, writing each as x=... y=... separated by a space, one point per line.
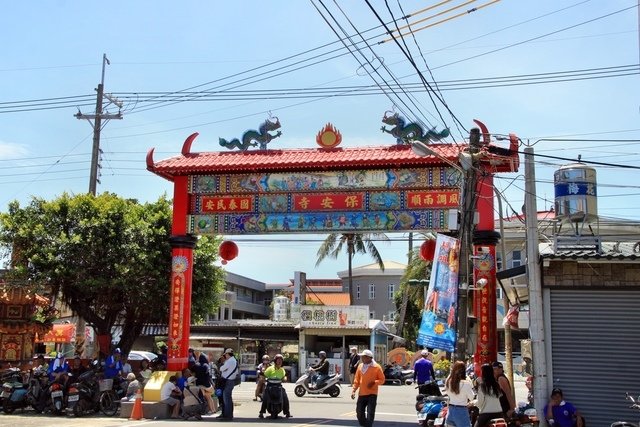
x=322 y=371
x=277 y=372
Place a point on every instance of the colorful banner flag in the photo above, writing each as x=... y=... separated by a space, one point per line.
x=438 y=327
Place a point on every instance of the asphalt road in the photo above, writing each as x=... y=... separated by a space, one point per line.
x=395 y=408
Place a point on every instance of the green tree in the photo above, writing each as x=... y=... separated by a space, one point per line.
x=108 y=258
x=412 y=295
x=361 y=243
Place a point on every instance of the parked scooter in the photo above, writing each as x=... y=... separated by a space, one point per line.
x=7 y=378
x=84 y=394
x=56 y=395
x=273 y=395
x=23 y=395
x=395 y=374
x=330 y=386
x=635 y=404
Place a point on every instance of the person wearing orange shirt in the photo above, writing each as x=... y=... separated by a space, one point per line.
x=369 y=376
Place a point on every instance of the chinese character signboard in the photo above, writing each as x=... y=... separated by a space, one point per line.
x=438 y=327
x=323 y=201
x=329 y=316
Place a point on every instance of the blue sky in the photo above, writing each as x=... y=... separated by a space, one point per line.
x=55 y=51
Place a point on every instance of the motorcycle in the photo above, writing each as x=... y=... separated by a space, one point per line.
x=330 y=386
x=429 y=409
x=395 y=374
x=7 y=378
x=22 y=395
x=275 y=399
x=84 y=394
x=635 y=404
x=56 y=393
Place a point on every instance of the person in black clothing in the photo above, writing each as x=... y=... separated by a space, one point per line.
x=321 y=369
x=354 y=359
x=203 y=380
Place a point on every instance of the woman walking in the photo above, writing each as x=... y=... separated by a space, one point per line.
x=460 y=393
x=488 y=397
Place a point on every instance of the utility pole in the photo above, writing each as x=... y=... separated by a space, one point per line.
x=94 y=179
x=536 y=317
x=469 y=200
x=97 y=118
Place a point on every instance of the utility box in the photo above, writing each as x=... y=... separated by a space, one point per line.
x=153 y=387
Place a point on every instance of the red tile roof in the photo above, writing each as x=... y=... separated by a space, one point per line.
x=328 y=298
x=310 y=159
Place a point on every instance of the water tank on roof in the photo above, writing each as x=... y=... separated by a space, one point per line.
x=576 y=193
x=280 y=308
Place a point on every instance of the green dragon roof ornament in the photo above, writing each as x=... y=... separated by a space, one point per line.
x=410 y=132
x=262 y=136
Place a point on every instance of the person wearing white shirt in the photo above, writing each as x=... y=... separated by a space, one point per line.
x=228 y=371
x=170 y=395
x=460 y=393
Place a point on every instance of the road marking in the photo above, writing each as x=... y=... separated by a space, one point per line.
x=314 y=423
x=396 y=415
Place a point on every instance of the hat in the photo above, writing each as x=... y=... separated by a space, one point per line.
x=497 y=365
x=191 y=380
x=228 y=351
x=366 y=353
x=131 y=376
x=60 y=355
x=117 y=351
x=556 y=391
x=424 y=353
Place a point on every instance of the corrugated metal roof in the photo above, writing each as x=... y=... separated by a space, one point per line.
x=623 y=251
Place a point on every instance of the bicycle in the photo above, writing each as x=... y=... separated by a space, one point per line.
x=635 y=404
x=109 y=402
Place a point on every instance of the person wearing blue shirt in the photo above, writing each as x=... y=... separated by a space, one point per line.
x=113 y=364
x=58 y=365
x=424 y=375
x=560 y=413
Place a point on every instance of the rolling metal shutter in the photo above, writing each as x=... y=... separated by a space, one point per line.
x=595 y=351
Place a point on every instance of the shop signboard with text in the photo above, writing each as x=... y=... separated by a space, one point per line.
x=334 y=316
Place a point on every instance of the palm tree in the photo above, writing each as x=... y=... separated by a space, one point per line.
x=361 y=243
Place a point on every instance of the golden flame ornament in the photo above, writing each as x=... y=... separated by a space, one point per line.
x=329 y=137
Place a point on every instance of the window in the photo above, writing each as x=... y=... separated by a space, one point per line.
x=499 y=261
x=372 y=315
x=498 y=293
x=372 y=291
x=357 y=291
x=391 y=316
x=516 y=258
x=391 y=288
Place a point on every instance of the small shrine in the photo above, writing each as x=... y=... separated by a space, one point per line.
x=24 y=316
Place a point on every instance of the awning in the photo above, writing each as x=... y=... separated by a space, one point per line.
x=61 y=333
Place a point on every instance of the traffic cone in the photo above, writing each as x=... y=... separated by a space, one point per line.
x=136 y=412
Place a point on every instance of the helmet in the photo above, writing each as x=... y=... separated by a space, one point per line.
x=278 y=356
x=323 y=353
x=265 y=357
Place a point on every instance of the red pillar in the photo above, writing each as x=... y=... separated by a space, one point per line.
x=182 y=246
x=485 y=239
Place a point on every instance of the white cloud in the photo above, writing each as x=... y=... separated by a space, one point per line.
x=10 y=150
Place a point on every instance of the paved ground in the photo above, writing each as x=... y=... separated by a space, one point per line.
x=395 y=408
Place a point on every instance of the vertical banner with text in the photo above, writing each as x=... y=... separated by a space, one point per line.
x=438 y=327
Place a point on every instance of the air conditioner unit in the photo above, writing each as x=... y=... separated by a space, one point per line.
x=230 y=297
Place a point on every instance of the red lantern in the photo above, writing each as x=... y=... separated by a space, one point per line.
x=228 y=251
x=427 y=250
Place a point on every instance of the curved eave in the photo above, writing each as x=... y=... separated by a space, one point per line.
x=291 y=160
